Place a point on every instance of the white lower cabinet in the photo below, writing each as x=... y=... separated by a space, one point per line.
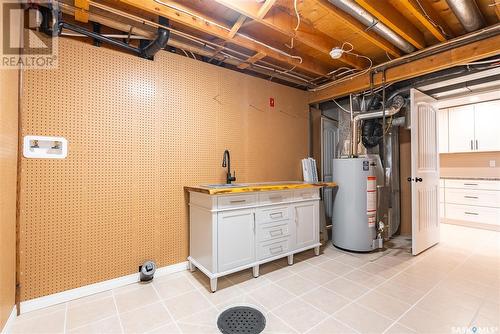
x=236 y=239
x=304 y=215
x=229 y=233
x=476 y=201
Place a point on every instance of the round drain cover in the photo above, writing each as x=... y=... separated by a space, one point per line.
x=241 y=320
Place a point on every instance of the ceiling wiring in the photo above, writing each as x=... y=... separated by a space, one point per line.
x=431 y=20
x=297 y=26
x=185 y=11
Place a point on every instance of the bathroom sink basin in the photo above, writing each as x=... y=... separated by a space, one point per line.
x=225 y=185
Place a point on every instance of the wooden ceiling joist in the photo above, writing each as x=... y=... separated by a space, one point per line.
x=285 y=24
x=237 y=25
x=428 y=17
x=256 y=57
x=464 y=54
x=389 y=16
x=200 y=22
x=265 y=8
x=359 y=28
x=82 y=10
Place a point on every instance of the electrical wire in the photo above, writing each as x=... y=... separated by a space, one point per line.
x=185 y=11
x=431 y=20
x=185 y=52
x=497 y=60
x=344 y=109
x=298 y=23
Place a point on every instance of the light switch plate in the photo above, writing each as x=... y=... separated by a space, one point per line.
x=493 y=163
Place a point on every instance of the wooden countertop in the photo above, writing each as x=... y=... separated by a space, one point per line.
x=253 y=187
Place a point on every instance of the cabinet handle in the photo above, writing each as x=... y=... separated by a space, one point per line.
x=254 y=222
x=474 y=197
x=472 y=213
x=238 y=201
x=477 y=145
x=470 y=184
x=272 y=249
x=471 y=145
x=276 y=233
x=276 y=215
x=276 y=198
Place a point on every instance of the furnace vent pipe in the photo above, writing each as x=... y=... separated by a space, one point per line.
x=355 y=10
x=397 y=103
x=467 y=13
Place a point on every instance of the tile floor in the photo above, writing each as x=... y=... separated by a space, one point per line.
x=453 y=287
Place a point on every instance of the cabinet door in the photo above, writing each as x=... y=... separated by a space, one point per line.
x=236 y=239
x=486 y=120
x=306 y=218
x=443 y=130
x=461 y=129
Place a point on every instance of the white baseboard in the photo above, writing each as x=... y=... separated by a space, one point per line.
x=9 y=322
x=87 y=290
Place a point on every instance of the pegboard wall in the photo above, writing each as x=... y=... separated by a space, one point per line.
x=138 y=131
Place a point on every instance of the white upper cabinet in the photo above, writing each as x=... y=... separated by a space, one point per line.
x=486 y=124
x=470 y=128
x=461 y=129
x=443 y=131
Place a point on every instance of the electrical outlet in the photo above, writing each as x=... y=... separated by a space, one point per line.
x=493 y=163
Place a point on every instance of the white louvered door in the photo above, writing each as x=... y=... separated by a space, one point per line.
x=424 y=172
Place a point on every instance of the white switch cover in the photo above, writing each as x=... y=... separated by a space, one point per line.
x=493 y=163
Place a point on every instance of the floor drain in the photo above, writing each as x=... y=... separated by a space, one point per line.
x=241 y=320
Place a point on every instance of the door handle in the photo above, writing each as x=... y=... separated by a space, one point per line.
x=417 y=179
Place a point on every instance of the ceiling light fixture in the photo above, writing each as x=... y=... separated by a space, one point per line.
x=336 y=52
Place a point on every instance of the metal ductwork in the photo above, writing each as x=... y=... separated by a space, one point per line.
x=353 y=9
x=397 y=103
x=467 y=13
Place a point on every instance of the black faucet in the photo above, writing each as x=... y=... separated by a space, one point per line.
x=229 y=177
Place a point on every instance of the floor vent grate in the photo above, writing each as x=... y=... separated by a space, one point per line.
x=241 y=320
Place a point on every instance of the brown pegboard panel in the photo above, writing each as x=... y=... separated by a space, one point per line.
x=138 y=132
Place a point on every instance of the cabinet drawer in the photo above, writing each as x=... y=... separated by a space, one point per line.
x=275 y=197
x=473 y=213
x=273 y=230
x=309 y=193
x=473 y=184
x=489 y=198
x=237 y=201
x=272 y=248
x=273 y=214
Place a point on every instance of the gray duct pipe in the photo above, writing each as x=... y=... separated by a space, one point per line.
x=355 y=10
x=397 y=103
x=467 y=13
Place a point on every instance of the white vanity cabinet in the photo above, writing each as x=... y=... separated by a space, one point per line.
x=232 y=232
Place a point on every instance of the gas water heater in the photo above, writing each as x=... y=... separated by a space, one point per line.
x=354 y=220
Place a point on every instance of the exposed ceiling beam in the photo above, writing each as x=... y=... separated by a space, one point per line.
x=497 y=8
x=199 y=21
x=359 y=28
x=256 y=57
x=265 y=8
x=426 y=15
x=237 y=25
x=282 y=22
x=463 y=54
x=389 y=16
x=82 y=10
